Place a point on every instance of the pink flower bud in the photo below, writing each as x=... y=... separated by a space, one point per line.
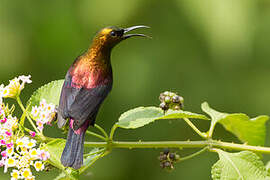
x=4 y=120
x=10 y=145
x=8 y=133
x=4 y=154
x=2 y=142
x=32 y=133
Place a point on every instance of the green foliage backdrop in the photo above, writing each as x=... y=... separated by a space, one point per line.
x=206 y=50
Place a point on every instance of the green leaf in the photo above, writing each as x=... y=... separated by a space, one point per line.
x=178 y=114
x=73 y=174
x=251 y=131
x=142 y=116
x=62 y=176
x=55 y=148
x=50 y=92
x=268 y=167
x=139 y=117
x=93 y=156
x=243 y=165
x=215 y=115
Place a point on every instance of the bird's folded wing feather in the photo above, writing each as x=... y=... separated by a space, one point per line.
x=80 y=104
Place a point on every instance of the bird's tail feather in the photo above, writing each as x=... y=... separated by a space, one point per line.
x=72 y=155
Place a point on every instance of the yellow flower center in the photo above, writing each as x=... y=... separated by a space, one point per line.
x=15 y=175
x=26 y=173
x=20 y=143
x=34 y=152
x=38 y=165
x=11 y=162
x=9 y=151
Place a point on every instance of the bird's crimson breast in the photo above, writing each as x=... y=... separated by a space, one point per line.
x=88 y=77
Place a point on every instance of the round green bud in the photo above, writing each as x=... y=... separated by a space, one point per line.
x=166 y=151
x=177 y=107
x=162 y=97
x=164 y=106
x=166 y=93
x=176 y=99
x=167 y=164
x=167 y=99
x=162 y=165
x=172 y=156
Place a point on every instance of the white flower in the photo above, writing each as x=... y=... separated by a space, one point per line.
x=39 y=166
x=43 y=104
x=6 y=92
x=31 y=143
x=50 y=108
x=10 y=162
x=22 y=142
x=10 y=151
x=15 y=174
x=24 y=161
x=44 y=116
x=15 y=86
x=2 y=88
x=35 y=111
x=40 y=125
x=26 y=173
x=1 y=94
x=25 y=79
x=34 y=153
x=44 y=155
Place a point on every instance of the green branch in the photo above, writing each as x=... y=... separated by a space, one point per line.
x=202 y=134
x=96 y=135
x=102 y=131
x=194 y=154
x=180 y=145
x=24 y=111
x=40 y=134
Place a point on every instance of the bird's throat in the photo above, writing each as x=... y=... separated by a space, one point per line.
x=92 y=69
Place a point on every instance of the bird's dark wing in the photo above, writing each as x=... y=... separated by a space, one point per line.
x=81 y=104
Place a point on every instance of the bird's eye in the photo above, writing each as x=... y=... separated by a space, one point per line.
x=113 y=33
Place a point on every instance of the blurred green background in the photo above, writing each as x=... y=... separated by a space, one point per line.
x=210 y=50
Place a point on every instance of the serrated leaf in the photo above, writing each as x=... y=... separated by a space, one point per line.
x=215 y=115
x=178 y=114
x=55 y=148
x=243 y=165
x=251 y=131
x=139 y=117
x=50 y=92
x=142 y=116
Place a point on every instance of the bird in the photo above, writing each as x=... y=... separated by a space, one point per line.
x=87 y=83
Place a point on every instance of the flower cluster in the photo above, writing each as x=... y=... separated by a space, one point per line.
x=170 y=100
x=167 y=159
x=43 y=114
x=14 y=88
x=18 y=153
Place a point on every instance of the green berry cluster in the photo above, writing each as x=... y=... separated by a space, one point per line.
x=170 y=100
x=167 y=159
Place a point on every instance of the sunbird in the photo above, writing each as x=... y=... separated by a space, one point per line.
x=87 y=83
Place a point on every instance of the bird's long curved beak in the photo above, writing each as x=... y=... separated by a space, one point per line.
x=125 y=36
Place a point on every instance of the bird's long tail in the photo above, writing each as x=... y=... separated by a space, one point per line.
x=72 y=155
